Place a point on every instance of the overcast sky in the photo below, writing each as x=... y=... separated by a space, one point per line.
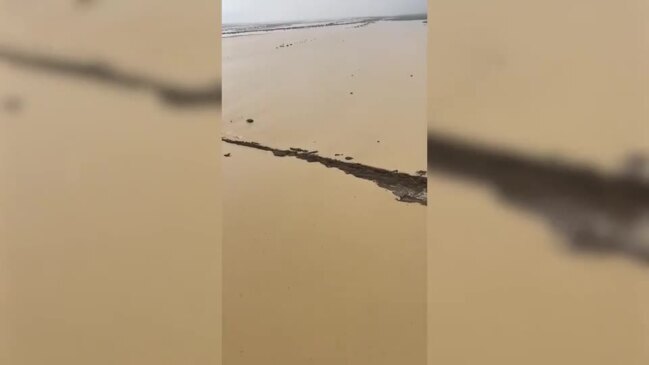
x=253 y=11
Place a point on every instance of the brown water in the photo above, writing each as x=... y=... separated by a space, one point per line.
x=109 y=200
x=109 y=255
x=321 y=267
x=551 y=78
x=299 y=96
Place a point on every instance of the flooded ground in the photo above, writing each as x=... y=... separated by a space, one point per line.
x=109 y=199
x=338 y=90
x=321 y=266
x=553 y=82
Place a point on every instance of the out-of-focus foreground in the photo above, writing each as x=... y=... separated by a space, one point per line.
x=109 y=166
x=538 y=206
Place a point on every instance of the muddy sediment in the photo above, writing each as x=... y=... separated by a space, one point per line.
x=407 y=188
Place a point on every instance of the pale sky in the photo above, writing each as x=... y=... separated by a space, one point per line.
x=253 y=11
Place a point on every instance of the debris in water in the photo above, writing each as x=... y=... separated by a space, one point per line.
x=407 y=188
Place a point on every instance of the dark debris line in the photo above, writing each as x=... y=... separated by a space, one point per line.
x=407 y=188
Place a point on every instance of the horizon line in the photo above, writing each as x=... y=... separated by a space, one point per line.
x=320 y=19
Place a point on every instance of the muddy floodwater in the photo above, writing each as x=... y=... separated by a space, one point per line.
x=324 y=240
x=109 y=199
x=548 y=81
x=328 y=275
